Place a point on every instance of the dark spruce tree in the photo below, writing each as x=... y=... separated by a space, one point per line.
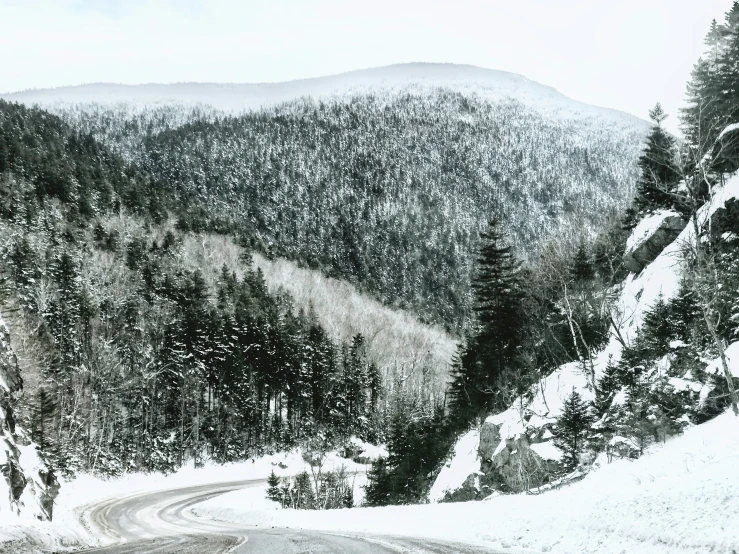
x=659 y=172
x=572 y=429
x=417 y=442
x=486 y=371
x=582 y=268
x=274 y=491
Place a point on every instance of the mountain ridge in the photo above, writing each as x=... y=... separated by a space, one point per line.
x=234 y=97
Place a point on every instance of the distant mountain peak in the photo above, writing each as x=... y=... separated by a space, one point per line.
x=491 y=84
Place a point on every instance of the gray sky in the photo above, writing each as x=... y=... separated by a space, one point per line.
x=624 y=54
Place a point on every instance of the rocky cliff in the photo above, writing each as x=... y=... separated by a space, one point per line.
x=27 y=484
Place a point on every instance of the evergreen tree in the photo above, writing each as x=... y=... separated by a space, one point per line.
x=43 y=411
x=572 y=430
x=486 y=371
x=305 y=496
x=274 y=492
x=348 y=498
x=582 y=268
x=659 y=172
x=377 y=489
x=607 y=387
x=418 y=440
x=658 y=329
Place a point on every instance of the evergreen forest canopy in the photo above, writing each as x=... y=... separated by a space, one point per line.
x=141 y=352
x=390 y=191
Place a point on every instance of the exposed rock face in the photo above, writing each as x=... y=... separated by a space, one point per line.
x=508 y=465
x=650 y=246
x=25 y=480
x=511 y=466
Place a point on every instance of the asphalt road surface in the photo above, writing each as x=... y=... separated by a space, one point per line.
x=161 y=522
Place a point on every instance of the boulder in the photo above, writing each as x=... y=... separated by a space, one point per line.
x=473 y=488
x=16 y=480
x=489 y=440
x=650 y=238
x=507 y=465
x=45 y=488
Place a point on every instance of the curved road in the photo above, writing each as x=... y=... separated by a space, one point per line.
x=161 y=522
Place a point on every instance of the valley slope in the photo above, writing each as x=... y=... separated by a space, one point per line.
x=381 y=177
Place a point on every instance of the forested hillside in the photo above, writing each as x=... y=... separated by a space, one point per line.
x=138 y=350
x=148 y=338
x=389 y=191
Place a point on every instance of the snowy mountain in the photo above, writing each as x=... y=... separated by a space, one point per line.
x=423 y=150
x=489 y=84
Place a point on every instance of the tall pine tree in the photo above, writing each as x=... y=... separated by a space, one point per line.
x=572 y=429
x=659 y=172
x=486 y=370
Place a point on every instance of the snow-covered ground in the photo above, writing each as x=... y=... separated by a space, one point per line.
x=674 y=499
x=661 y=278
x=26 y=534
x=682 y=496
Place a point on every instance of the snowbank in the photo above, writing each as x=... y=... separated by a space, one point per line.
x=368 y=451
x=680 y=497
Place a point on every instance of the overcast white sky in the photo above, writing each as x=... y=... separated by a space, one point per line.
x=624 y=54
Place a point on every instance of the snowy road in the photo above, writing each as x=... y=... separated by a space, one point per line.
x=161 y=522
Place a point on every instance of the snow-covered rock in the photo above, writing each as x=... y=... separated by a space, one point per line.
x=650 y=237
x=462 y=471
x=26 y=482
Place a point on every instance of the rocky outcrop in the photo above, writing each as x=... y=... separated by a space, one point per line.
x=26 y=482
x=509 y=464
x=652 y=236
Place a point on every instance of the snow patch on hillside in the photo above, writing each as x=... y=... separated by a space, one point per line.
x=464 y=462
x=546 y=404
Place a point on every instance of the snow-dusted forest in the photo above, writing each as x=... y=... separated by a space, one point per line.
x=225 y=306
